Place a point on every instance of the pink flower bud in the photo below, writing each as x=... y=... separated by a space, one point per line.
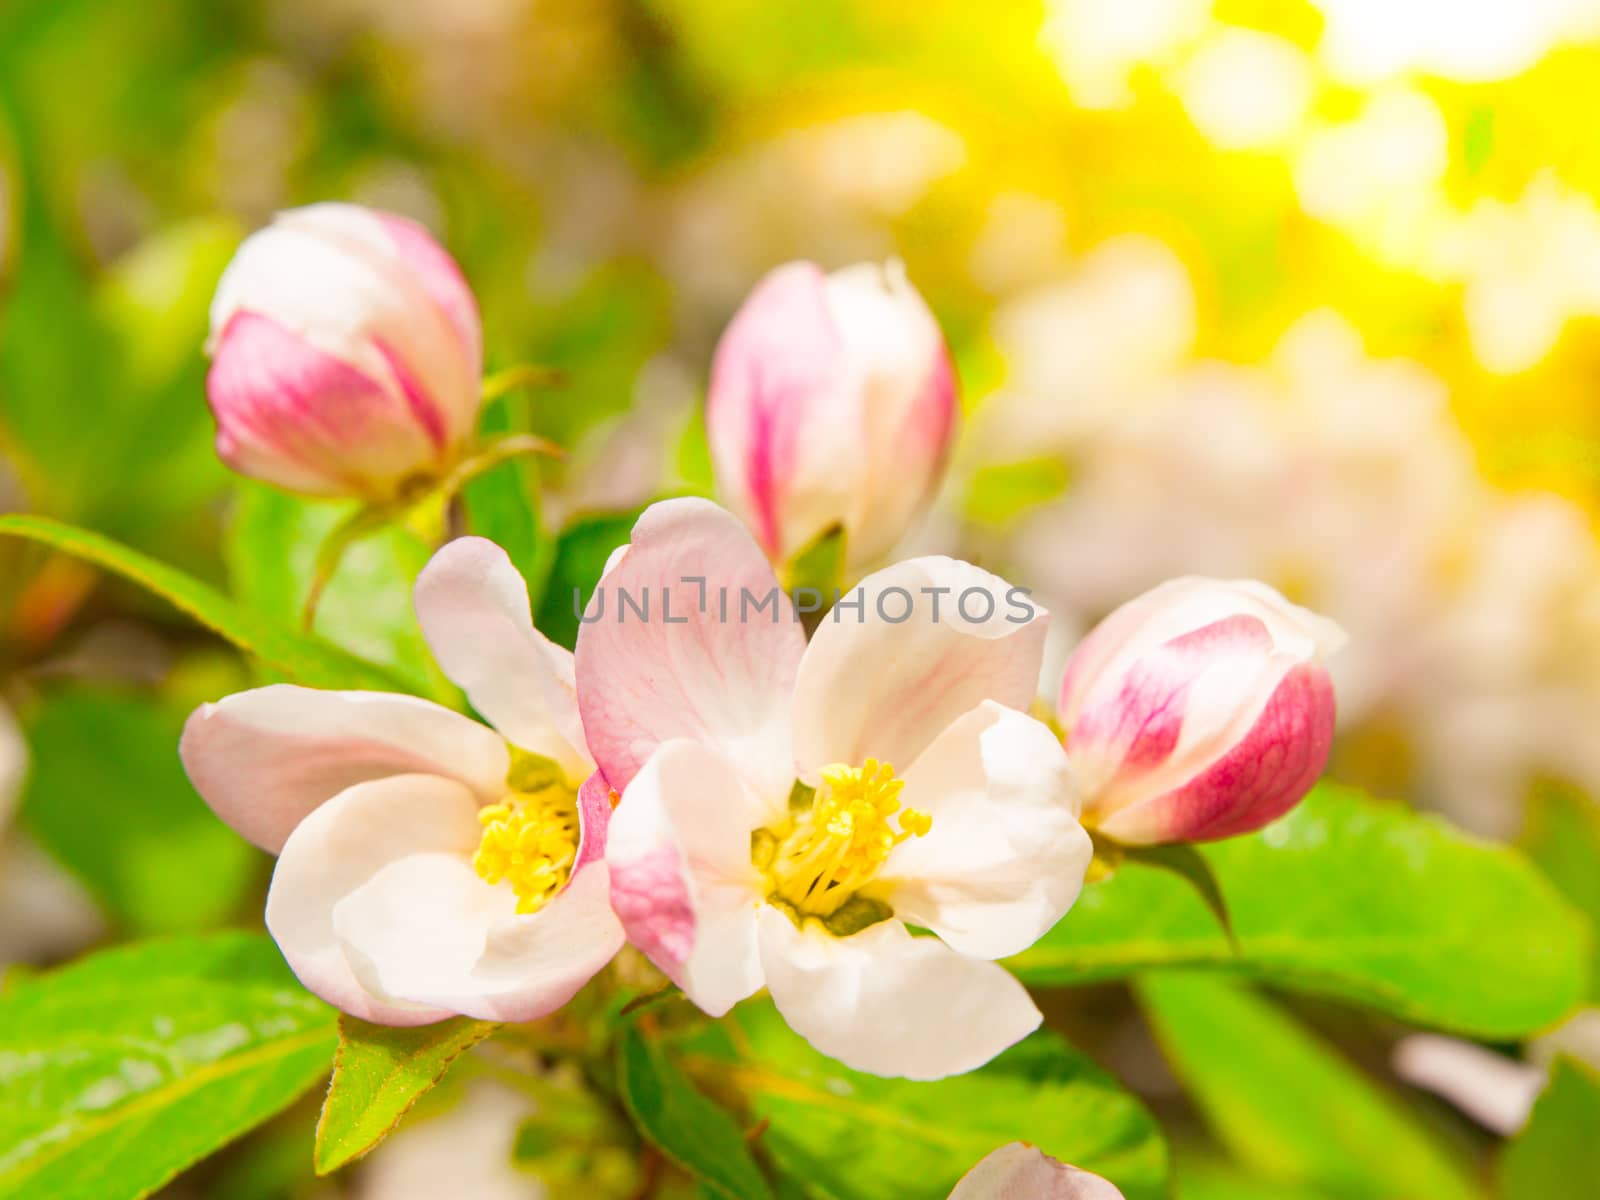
x=832 y=404
x=346 y=354
x=1199 y=711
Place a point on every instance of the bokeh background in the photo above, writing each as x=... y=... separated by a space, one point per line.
x=1305 y=290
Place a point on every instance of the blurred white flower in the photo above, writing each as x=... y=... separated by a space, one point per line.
x=1474 y=616
x=13 y=765
x=1246 y=90
x=1084 y=352
x=1476 y=41
x=1529 y=267
x=464 y=1151
x=1097 y=44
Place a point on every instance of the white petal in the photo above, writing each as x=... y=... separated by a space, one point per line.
x=1005 y=857
x=473 y=608
x=682 y=881
x=705 y=665
x=340 y=847
x=428 y=929
x=887 y=1003
x=1022 y=1172
x=874 y=686
x=265 y=758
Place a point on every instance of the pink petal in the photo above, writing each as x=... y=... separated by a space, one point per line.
x=716 y=672
x=1262 y=776
x=1022 y=1172
x=265 y=759
x=682 y=880
x=887 y=1003
x=783 y=424
x=299 y=417
x=437 y=273
x=473 y=608
x=872 y=685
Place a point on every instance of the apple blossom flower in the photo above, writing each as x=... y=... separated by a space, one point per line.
x=427 y=865
x=1200 y=710
x=1019 y=1171
x=832 y=404
x=788 y=810
x=346 y=354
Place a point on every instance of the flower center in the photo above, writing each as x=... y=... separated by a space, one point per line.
x=530 y=839
x=834 y=846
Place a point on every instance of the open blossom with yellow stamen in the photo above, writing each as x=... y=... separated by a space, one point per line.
x=764 y=839
x=427 y=865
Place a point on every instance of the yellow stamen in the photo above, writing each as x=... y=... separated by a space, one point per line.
x=834 y=848
x=531 y=840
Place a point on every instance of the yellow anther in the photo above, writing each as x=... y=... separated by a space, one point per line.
x=531 y=840
x=825 y=854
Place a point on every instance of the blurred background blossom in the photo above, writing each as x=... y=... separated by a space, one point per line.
x=1305 y=290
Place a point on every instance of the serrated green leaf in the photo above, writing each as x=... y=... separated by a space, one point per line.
x=1348 y=898
x=302 y=658
x=271 y=550
x=109 y=799
x=1560 y=1145
x=693 y=1132
x=1284 y=1103
x=378 y=1074
x=837 y=1134
x=125 y=1068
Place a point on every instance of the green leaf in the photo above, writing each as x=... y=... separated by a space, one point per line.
x=108 y=798
x=304 y=659
x=502 y=506
x=1188 y=864
x=838 y=1134
x=580 y=557
x=1563 y=838
x=688 y=1128
x=1284 y=1103
x=1559 y=1145
x=271 y=550
x=1207 y=1180
x=378 y=1074
x=1348 y=898
x=120 y=1071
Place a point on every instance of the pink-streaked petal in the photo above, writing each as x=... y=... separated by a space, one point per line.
x=336 y=276
x=594 y=821
x=1005 y=857
x=898 y=366
x=872 y=685
x=438 y=275
x=266 y=758
x=1022 y=1172
x=783 y=422
x=682 y=880
x=887 y=1003
x=337 y=850
x=428 y=930
x=473 y=608
x=295 y=415
x=1175 y=608
x=1263 y=774
x=715 y=672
